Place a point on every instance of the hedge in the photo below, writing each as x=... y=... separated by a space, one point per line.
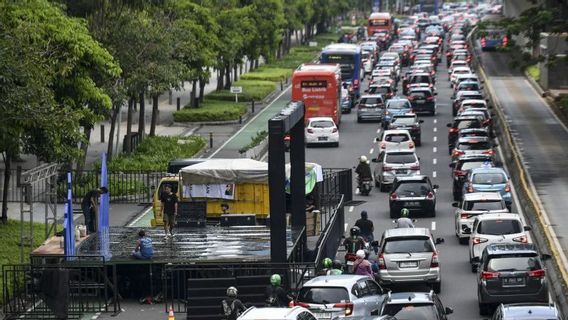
x=252 y=90
x=211 y=110
x=268 y=73
x=119 y=186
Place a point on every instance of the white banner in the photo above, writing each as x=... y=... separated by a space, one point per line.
x=216 y=191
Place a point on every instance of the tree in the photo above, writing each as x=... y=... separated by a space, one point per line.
x=51 y=73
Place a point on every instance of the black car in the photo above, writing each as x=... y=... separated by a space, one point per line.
x=461 y=167
x=464 y=95
x=408 y=122
x=414 y=305
x=385 y=90
x=422 y=100
x=416 y=193
x=417 y=78
x=511 y=272
x=465 y=122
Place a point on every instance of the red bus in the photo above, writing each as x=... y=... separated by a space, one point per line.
x=379 y=21
x=320 y=90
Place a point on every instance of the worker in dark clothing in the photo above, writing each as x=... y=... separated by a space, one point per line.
x=363 y=171
x=169 y=210
x=276 y=295
x=89 y=207
x=366 y=227
x=355 y=242
x=232 y=307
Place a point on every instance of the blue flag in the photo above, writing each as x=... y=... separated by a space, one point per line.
x=69 y=235
x=105 y=197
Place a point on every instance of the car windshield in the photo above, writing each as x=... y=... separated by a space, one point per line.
x=470 y=96
x=472 y=165
x=408 y=244
x=420 y=79
x=371 y=101
x=499 y=227
x=397 y=137
x=481 y=145
x=489 y=178
x=474 y=105
x=468 y=86
x=404 y=120
x=321 y=124
x=400 y=104
x=468 y=124
x=400 y=158
x=379 y=90
x=323 y=295
x=411 y=311
x=483 y=205
x=513 y=264
x=413 y=189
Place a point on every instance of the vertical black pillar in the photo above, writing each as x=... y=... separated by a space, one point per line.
x=297 y=180
x=277 y=192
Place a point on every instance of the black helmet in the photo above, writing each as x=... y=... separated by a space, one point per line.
x=355 y=231
x=337 y=264
x=364 y=214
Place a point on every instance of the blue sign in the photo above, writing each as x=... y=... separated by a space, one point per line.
x=69 y=235
x=104 y=207
x=377 y=5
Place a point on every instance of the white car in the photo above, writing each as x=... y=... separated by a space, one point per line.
x=456 y=72
x=457 y=64
x=322 y=130
x=396 y=140
x=472 y=103
x=495 y=228
x=295 y=313
x=473 y=205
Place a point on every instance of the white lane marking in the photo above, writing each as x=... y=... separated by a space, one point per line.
x=379 y=130
x=345 y=227
x=351 y=208
x=435 y=138
x=434 y=161
x=435 y=149
x=140 y=216
x=371 y=150
x=434 y=174
x=433 y=228
x=249 y=122
x=435 y=129
x=435 y=121
x=442 y=104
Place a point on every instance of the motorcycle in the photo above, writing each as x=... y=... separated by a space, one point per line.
x=365 y=186
x=350 y=257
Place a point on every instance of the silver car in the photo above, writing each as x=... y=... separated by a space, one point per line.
x=392 y=164
x=371 y=107
x=409 y=256
x=474 y=204
x=352 y=296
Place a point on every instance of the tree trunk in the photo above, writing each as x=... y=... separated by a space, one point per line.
x=141 y=118
x=235 y=73
x=220 y=79
x=113 y=118
x=297 y=35
x=256 y=63
x=131 y=105
x=227 y=76
x=193 y=95
x=251 y=64
x=240 y=68
x=155 y=111
x=84 y=147
x=6 y=186
x=202 y=85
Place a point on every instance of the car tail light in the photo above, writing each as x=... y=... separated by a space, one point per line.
x=486 y=275
x=454 y=130
x=387 y=168
x=457 y=153
x=536 y=273
x=310 y=131
x=415 y=167
x=381 y=261
x=435 y=262
x=521 y=239
x=490 y=152
x=348 y=306
x=508 y=187
x=393 y=196
x=465 y=215
x=478 y=240
x=410 y=145
x=483 y=42
x=356 y=83
x=460 y=173
x=298 y=304
x=430 y=195
x=469 y=189
x=383 y=145
x=430 y=98
x=334 y=130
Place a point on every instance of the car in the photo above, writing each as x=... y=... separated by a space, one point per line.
x=526 y=311
x=371 y=108
x=461 y=167
x=489 y=179
x=458 y=124
x=474 y=204
x=471 y=146
x=468 y=77
x=396 y=106
x=409 y=256
x=415 y=193
x=346 y=295
x=464 y=95
x=492 y=228
x=422 y=100
x=466 y=85
x=392 y=164
x=455 y=64
x=509 y=273
x=472 y=103
x=395 y=140
x=415 y=78
x=408 y=122
x=415 y=305
x=386 y=90
x=367 y=61
x=269 y=313
x=321 y=130
x=457 y=71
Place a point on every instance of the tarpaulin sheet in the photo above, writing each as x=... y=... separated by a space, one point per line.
x=216 y=171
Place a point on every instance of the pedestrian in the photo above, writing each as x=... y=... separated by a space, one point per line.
x=276 y=295
x=362 y=266
x=169 y=210
x=89 y=207
x=232 y=307
x=144 y=249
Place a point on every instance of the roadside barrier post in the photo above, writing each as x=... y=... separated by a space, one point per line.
x=178 y=103
x=281 y=85
x=102 y=133
x=252 y=107
x=210 y=140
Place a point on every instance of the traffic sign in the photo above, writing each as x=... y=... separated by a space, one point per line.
x=236 y=90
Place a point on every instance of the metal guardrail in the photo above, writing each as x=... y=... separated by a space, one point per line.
x=330 y=238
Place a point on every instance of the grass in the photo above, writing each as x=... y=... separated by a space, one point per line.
x=268 y=73
x=534 y=72
x=255 y=141
x=253 y=90
x=211 y=110
x=154 y=153
x=10 y=240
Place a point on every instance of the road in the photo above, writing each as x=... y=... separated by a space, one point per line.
x=459 y=286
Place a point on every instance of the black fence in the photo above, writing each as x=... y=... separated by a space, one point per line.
x=54 y=289
x=332 y=233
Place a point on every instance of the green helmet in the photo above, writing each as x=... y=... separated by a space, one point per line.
x=404 y=213
x=275 y=279
x=327 y=263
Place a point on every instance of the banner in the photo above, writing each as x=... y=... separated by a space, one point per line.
x=216 y=191
x=105 y=197
x=69 y=235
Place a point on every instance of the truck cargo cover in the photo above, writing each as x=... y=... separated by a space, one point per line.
x=215 y=171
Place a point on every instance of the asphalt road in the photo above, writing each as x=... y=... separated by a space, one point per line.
x=459 y=286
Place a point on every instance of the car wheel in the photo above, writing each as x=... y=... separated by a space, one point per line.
x=463 y=240
x=450 y=151
x=383 y=187
x=473 y=267
x=393 y=213
x=437 y=287
x=457 y=196
x=358 y=120
x=377 y=183
x=418 y=142
x=483 y=309
x=432 y=212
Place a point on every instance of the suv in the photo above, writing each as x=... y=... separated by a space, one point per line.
x=489 y=179
x=472 y=146
x=474 y=204
x=417 y=78
x=295 y=313
x=371 y=107
x=415 y=305
x=409 y=256
x=415 y=193
x=524 y=311
x=459 y=123
x=464 y=95
x=395 y=140
x=422 y=100
x=494 y=228
x=395 y=106
x=394 y=164
x=408 y=122
x=511 y=273
x=345 y=295
x=461 y=167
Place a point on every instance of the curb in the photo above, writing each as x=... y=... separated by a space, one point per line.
x=535 y=85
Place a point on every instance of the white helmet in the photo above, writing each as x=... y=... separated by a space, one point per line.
x=231 y=292
x=363 y=159
x=360 y=254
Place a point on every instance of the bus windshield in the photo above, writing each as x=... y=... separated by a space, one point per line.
x=346 y=62
x=378 y=22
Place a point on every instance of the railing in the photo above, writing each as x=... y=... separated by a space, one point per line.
x=332 y=234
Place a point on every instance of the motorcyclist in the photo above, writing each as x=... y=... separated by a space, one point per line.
x=363 y=170
x=232 y=307
x=276 y=295
x=366 y=226
x=355 y=241
x=362 y=266
x=404 y=221
x=327 y=265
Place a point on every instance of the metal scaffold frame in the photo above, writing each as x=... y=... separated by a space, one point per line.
x=26 y=180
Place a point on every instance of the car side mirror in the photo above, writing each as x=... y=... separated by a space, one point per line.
x=527 y=228
x=377 y=139
x=375 y=243
x=420 y=121
x=451 y=165
x=545 y=256
x=374 y=160
x=449 y=310
x=435 y=93
x=436 y=186
x=455 y=204
x=439 y=240
x=449 y=125
x=366 y=90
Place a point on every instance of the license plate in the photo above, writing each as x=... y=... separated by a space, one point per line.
x=322 y=138
x=321 y=315
x=349 y=263
x=420 y=101
x=408 y=264
x=412 y=203
x=401 y=171
x=514 y=282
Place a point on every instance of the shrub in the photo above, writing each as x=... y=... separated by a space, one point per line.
x=120 y=185
x=268 y=73
x=211 y=110
x=534 y=72
x=255 y=141
x=252 y=90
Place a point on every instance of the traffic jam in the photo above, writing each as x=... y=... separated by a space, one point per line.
x=394 y=73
